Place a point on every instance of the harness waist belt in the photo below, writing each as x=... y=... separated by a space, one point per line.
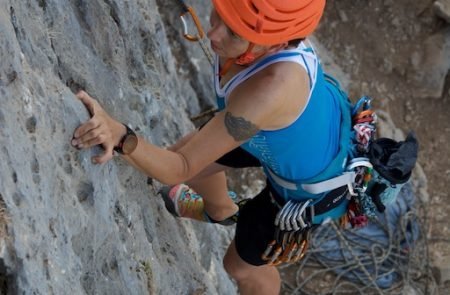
x=327 y=185
x=316 y=212
x=346 y=179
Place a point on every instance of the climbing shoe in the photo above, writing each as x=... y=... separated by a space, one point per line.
x=181 y=201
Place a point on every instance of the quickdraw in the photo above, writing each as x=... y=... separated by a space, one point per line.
x=364 y=124
x=291 y=235
x=288 y=247
x=196 y=37
x=199 y=36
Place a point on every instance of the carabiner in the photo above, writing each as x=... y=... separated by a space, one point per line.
x=201 y=33
x=265 y=255
x=364 y=102
x=302 y=243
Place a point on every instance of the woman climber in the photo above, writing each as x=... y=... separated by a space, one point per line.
x=276 y=110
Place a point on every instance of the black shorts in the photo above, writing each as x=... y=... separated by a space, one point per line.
x=239 y=158
x=255 y=226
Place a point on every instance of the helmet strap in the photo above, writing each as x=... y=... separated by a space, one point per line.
x=226 y=67
x=244 y=59
x=247 y=57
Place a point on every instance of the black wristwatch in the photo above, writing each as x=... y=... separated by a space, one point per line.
x=127 y=143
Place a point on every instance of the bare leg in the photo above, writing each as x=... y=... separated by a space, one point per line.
x=214 y=191
x=263 y=280
x=211 y=184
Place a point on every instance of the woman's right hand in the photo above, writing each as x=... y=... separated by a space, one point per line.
x=101 y=129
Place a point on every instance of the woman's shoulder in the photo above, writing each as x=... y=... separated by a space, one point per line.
x=278 y=92
x=280 y=75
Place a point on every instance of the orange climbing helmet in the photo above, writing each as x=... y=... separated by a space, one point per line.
x=270 y=22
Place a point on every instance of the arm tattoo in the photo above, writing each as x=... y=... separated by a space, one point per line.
x=239 y=128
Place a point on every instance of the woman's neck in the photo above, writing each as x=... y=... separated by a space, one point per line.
x=234 y=68
x=223 y=60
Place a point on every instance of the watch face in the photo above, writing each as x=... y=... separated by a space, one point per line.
x=130 y=144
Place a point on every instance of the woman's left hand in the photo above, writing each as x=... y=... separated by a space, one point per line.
x=101 y=129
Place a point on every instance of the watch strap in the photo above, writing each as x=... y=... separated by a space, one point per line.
x=119 y=147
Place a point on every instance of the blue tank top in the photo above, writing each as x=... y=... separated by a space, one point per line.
x=305 y=147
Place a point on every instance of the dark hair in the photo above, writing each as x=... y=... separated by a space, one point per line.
x=295 y=42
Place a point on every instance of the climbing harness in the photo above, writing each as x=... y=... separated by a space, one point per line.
x=371 y=175
x=200 y=35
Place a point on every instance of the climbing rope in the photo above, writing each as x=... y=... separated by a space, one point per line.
x=350 y=261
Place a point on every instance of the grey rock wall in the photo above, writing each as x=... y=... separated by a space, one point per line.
x=73 y=227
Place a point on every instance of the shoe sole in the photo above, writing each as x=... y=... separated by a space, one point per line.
x=170 y=206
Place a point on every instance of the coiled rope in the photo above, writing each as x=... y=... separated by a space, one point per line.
x=365 y=264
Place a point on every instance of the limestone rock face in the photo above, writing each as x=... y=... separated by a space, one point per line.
x=77 y=228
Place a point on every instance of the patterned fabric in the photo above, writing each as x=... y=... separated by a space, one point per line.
x=182 y=201
x=187 y=203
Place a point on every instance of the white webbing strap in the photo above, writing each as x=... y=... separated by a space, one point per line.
x=359 y=162
x=281 y=182
x=327 y=185
x=319 y=187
